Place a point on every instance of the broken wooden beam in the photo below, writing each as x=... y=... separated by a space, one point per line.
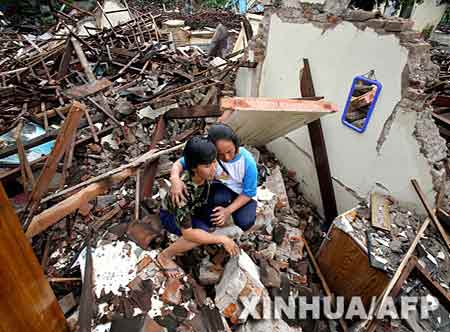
x=142 y=160
x=67 y=131
x=319 y=150
x=150 y=170
x=76 y=201
x=87 y=300
x=206 y=111
x=88 y=89
x=430 y=212
x=370 y=324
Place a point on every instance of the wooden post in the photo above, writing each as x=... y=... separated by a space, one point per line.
x=319 y=151
x=27 y=302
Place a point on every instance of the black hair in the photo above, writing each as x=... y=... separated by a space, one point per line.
x=220 y=131
x=199 y=150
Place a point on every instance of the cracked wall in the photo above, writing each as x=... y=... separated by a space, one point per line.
x=401 y=142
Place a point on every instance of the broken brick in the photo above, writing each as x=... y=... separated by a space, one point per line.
x=172 y=292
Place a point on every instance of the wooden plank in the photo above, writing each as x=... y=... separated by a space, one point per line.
x=324 y=283
x=341 y=259
x=66 y=133
x=138 y=194
x=379 y=207
x=260 y=126
x=27 y=302
x=206 y=111
x=410 y=266
x=87 y=300
x=273 y=104
x=319 y=150
x=91 y=125
x=88 y=89
x=65 y=61
x=150 y=170
x=82 y=57
x=441 y=118
x=430 y=212
x=67 y=161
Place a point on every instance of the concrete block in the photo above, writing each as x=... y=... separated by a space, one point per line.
x=240 y=283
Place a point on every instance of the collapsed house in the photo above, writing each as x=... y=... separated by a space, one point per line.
x=93 y=117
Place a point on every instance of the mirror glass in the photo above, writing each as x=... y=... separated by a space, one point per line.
x=361 y=103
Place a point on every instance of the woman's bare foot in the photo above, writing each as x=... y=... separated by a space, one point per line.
x=169 y=267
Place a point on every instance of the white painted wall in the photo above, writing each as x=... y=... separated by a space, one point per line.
x=336 y=56
x=427 y=13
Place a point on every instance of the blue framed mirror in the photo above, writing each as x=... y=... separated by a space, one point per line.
x=361 y=103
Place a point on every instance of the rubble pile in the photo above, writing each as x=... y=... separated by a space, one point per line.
x=127 y=76
x=387 y=249
x=130 y=287
x=202 y=18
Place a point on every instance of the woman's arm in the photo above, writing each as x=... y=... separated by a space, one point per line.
x=178 y=191
x=201 y=237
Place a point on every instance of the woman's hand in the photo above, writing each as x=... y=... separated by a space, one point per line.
x=220 y=216
x=178 y=192
x=230 y=246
